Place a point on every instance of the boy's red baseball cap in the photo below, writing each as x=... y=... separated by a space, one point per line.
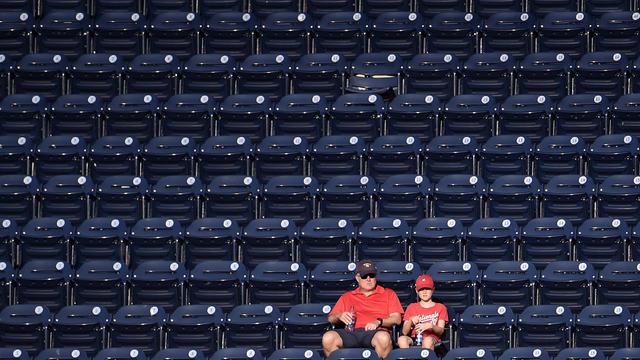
x=424 y=281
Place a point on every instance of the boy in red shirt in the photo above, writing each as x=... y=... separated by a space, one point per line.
x=425 y=316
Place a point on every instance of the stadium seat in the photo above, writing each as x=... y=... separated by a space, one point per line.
x=7 y=278
x=176 y=33
x=81 y=327
x=25 y=327
x=244 y=115
x=601 y=241
x=580 y=353
x=617 y=284
x=255 y=325
x=59 y=155
x=546 y=239
x=454 y=32
x=559 y=155
x=65 y=32
x=613 y=31
x=17 y=153
x=210 y=74
x=413 y=115
x=120 y=32
x=354 y=354
x=486 y=8
x=209 y=8
x=223 y=156
x=132 y=115
x=238 y=353
x=268 y=239
x=404 y=196
x=436 y=239
x=44 y=238
x=456 y=282
x=155 y=8
x=489 y=326
x=603 y=326
x=154 y=239
x=219 y=283
x=44 y=282
x=357 y=114
x=603 y=73
x=505 y=155
x=160 y=283
x=617 y=196
x=330 y=279
x=300 y=114
x=547 y=327
x=286 y=33
x=296 y=353
x=544 y=73
x=460 y=197
x=291 y=197
x=625 y=353
x=69 y=197
x=319 y=74
x=18 y=197
x=394 y=154
x=342 y=32
x=113 y=156
x=188 y=115
x=623 y=115
x=489 y=73
x=15 y=34
x=525 y=115
x=24 y=116
x=412 y=353
x=139 y=327
x=234 y=197
x=490 y=240
x=264 y=74
x=567 y=283
x=318 y=8
x=97 y=74
x=42 y=74
x=397 y=32
x=470 y=115
x=76 y=115
x=178 y=197
x=120 y=353
x=179 y=354
x=431 y=8
x=8 y=353
x=468 y=353
x=196 y=327
x=210 y=239
x=155 y=74
x=280 y=155
x=612 y=155
x=516 y=197
x=448 y=155
x=377 y=73
x=509 y=32
x=565 y=31
x=524 y=352
x=325 y=239
x=49 y=6
x=62 y=354
x=122 y=197
x=281 y=283
x=510 y=283
x=432 y=73
x=601 y=7
x=381 y=239
x=400 y=276
x=231 y=33
x=337 y=155
x=101 y=283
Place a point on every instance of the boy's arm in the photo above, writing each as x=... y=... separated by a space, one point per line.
x=439 y=328
x=406 y=327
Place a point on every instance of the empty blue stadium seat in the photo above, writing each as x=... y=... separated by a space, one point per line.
x=76 y=115
x=325 y=239
x=510 y=283
x=330 y=279
x=460 y=197
x=580 y=353
x=354 y=354
x=505 y=155
x=188 y=115
x=489 y=73
x=301 y=114
x=625 y=353
x=570 y=197
x=468 y=353
x=448 y=155
x=101 y=283
x=244 y=115
x=44 y=282
x=516 y=197
x=405 y=197
x=525 y=115
x=290 y=196
x=219 y=283
x=559 y=155
x=7 y=277
x=44 y=238
x=196 y=327
x=430 y=8
x=382 y=239
x=253 y=325
x=613 y=31
x=357 y=114
x=154 y=8
x=471 y=115
x=81 y=327
x=223 y=156
x=434 y=73
x=456 y=282
x=319 y=74
x=18 y=197
x=548 y=327
x=616 y=197
x=268 y=239
x=24 y=116
x=281 y=283
x=233 y=196
x=617 y=284
x=567 y=283
x=65 y=32
x=490 y=240
x=113 y=156
x=280 y=155
x=132 y=115
x=603 y=326
x=210 y=239
x=231 y=33
x=264 y=74
x=178 y=197
x=209 y=8
x=183 y=353
x=612 y=155
x=286 y=33
x=98 y=75
x=139 y=327
x=319 y=8
x=238 y=353
x=603 y=73
x=623 y=115
x=120 y=353
x=545 y=73
x=120 y=32
x=69 y=197
x=377 y=73
x=343 y=33
x=399 y=276
x=489 y=326
x=565 y=31
x=154 y=239
x=263 y=8
x=454 y=32
x=67 y=353
x=436 y=239
x=121 y=197
x=601 y=241
x=17 y=152
x=546 y=239
x=210 y=74
x=525 y=352
x=155 y=74
x=26 y=327
x=394 y=154
x=508 y=32
x=159 y=282
x=8 y=353
x=602 y=7
x=16 y=34
x=176 y=33
x=49 y=6
x=413 y=115
x=297 y=353
x=42 y=74
x=412 y=353
x=337 y=155
x=59 y=155
x=398 y=32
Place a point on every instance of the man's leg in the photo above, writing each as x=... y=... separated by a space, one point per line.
x=331 y=342
x=404 y=342
x=381 y=343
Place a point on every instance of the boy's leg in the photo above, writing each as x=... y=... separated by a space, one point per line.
x=404 y=342
x=429 y=342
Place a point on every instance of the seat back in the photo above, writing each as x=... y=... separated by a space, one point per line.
x=558 y=155
x=286 y=33
x=231 y=33
x=102 y=283
x=615 y=196
x=404 y=197
x=613 y=31
x=210 y=74
x=349 y=197
x=603 y=73
x=97 y=74
x=44 y=238
x=24 y=116
x=510 y=283
x=545 y=73
x=256 y=324
x=100 y=238
x=81 y=327
x=120 y=32
x=489 y=326
x=325 y=239
x=456 y=282
x=460 y=197
x=320 y=73
x=454 y=32
x=223 y=156
x=268 y=239
x=616 y=284
x=342 y=32
x=120 y=353
x=25 y=326
x=335 y=155
x=189 y=115
x=357 y=114
x=16 y=33
x=505 y=155
x=132 y=115
x=197 y=327
x=175 y=32
x=113 y=156
x=303 y=326
x=301 y=114
x=280 y=282
x=470 y=115
x=489 y=73
x=398 y=32
x=449 y=155
x=44 y=282
x=18 y=196
x=329 y=280
x=525 y=115
x=292 y=197
x=353 y=354
x=612 y=155
x=238 y=353
x=490 y=240
x=413 y=115
x=41 y=74
x=546 y=239
x=155 y=74
x=64 y=32
x=154 y=239
x=121 y=197
x=434 y=73
x=375 y=73
x=601 y=241
x=60 y=155
x=265 y=74
x=159 y=282
x=603 y=326
x=392 y=154
x=515 y=197
x=567 y=283
x=69 y=197
x=210 y=239
x=234 y=197
x=177 y=197
x=245 y=115
x=381 y=239
x=280 y=155
x=218 y=282
x=436 y=238
x=564 y=30
x=547 y=327
x=509 y=32
x=138 y=327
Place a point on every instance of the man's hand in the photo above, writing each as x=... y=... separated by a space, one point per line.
x=424 y=326
x=346 y=317
x=372 y=325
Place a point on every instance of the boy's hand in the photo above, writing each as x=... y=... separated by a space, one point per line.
x=415 y=320
x=424 y=326
x=346 y=317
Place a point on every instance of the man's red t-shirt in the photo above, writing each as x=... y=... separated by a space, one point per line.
x=382 y=303
x=433 y=314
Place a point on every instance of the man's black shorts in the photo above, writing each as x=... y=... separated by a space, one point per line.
x=356 y=338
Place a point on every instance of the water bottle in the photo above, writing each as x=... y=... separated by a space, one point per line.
x=352 y=325
x=418 y=338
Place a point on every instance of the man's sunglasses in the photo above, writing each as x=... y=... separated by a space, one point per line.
x=366 y=276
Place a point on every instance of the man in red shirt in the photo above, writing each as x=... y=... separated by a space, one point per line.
x=376 y=310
